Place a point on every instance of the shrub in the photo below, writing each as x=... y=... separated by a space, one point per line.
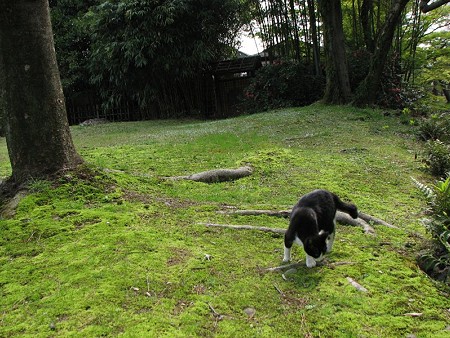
x=282 y=84
x=358 y=66
x=438 y=200
x=437 y=157
x=394 y=92
x=435 y=127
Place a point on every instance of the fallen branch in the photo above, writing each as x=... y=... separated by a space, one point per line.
x=280 y=213
x=297 y=265
x=286 y=213
x=374 y=220
x=367 y=228
x=285 y=267
x=217 y=175
x=341 y=217
x=355 y=284
x=245 y=227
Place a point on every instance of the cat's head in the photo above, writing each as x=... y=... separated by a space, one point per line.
x=316 y=246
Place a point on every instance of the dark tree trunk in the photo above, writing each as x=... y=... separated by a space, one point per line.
x=446 y=94
x=366 y=23
x=337 y=90
x=37 y=131
x=367 y=92
x=314 y=37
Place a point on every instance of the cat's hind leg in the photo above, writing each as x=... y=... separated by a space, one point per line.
x=330 y=241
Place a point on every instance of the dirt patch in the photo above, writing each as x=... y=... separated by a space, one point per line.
x=178 y=256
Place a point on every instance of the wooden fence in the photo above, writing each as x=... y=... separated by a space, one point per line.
x=213 y=98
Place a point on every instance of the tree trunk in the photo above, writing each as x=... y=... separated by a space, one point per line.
x=366 y=23
x=37 y=131
x=446 y=94
x=367 y=92
x=337 y=90
x=315 y=42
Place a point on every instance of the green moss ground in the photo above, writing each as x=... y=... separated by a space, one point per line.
x=122 y=253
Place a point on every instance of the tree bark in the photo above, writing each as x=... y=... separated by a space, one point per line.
x=366 y=23
x=314 y=37
x=37 y=131
x=337 y=90
x=367 y=92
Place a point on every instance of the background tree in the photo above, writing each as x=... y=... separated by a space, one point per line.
x=72 y=44
x=337 y=90
x=37 y=133
x=368 y=91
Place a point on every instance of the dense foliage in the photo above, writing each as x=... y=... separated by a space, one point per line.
x=283 y=84
x=290 y=29
x=144 y=50
x=152 y=51
x=72 y=44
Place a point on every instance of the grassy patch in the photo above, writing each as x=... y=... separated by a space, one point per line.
x=123 y=253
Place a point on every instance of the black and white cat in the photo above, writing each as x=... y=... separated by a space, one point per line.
x=312 y=224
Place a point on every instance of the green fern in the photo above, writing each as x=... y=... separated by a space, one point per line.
x=426 y=190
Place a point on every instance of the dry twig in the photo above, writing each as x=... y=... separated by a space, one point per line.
x=245 y=227
x=355 y=284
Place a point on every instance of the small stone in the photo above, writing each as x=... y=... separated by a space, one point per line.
x=250 y=312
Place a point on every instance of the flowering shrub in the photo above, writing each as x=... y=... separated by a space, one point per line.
x=394 y=92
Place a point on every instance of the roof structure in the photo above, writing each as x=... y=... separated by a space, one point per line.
x=240 y=65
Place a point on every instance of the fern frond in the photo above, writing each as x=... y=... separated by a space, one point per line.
x=426 y=190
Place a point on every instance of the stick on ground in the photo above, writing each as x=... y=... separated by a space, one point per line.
x=341 y=217
x=245 y=227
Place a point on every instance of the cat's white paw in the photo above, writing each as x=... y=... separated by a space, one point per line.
x=287 y=255
x=310 y=262
x=330 y=241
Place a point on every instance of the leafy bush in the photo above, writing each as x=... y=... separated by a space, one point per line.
x=283 y=84
x=436 y=127
x=394 y=92
x=437 y=157
x=438 y=200
x=358 y=66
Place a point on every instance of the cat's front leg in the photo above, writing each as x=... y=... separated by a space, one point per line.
x=330 y=241
x=287 y=254
x=310 y=261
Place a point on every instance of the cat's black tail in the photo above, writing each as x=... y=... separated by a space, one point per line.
x=345 y=207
